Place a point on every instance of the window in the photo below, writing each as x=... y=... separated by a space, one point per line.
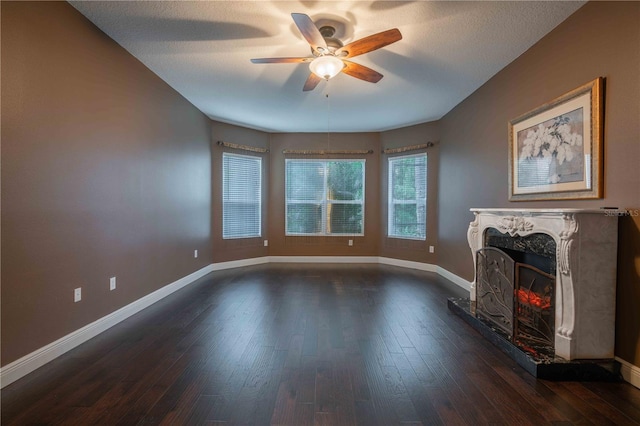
x=241 y=196
x=324 y=197
x=407 y=208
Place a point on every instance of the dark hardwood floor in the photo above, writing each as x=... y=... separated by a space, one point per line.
x=302 y=345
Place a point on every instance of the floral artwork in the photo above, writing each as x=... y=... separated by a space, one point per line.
x=555 y=150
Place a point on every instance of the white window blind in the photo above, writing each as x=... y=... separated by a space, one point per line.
x=407 y=208
x=324 y=197
x=241 y=196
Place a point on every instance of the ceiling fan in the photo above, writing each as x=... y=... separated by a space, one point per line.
x=330 y=55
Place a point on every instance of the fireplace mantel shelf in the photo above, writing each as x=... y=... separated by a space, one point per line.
x=545 y=211
x=586 y=241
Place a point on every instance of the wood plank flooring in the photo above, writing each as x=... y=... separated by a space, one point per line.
x=304 y=345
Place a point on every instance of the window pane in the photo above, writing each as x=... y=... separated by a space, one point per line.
x=241 y=220
x=408 y=221
x=241 y=196
x=345 y=218
x=406 y=173
x=305 y=180
x=345 y=180
x=304 y=218
x=407 y=207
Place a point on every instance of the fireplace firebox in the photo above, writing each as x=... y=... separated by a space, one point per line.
x=515 y=288
x=534 y=309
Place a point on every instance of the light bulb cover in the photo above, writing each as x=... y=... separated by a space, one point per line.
x=326 y=66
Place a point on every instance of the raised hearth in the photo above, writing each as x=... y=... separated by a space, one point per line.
x=540 y=365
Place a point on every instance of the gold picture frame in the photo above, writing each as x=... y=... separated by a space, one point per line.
x=555 y=151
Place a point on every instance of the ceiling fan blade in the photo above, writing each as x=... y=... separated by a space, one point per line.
x=310 y=32
x=281 y=60
x=311 y=82
x=370 y=43
x=361 y=72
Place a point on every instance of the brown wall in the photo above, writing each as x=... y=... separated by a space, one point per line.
x=366 y=245
x=600 y=39
x=105 y=172
x=397 y=248
x=244 y=248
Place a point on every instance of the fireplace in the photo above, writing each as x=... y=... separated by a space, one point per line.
x=545 y=282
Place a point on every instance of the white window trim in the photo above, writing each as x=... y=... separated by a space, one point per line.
x=324 y=202
x=391 y=202
x=259 y=160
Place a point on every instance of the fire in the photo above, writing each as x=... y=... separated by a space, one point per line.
x=527 y=348
x=531 y=298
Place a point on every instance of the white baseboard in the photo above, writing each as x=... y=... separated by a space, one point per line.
x=630 y=373
x=30 y=362
x=36 y=359
x=454 y=278
x=240 y=263
x=428 y=267
x=407 y=264
x=323 y=259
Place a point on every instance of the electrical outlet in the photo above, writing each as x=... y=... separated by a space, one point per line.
x=432 y=249
x=112 y=283
x=350 y=242
x=77 y=294
x=266 y=243
x=195 y=254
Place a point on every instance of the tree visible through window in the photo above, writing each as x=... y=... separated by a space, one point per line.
x=407 y=208
x=241 y=196
x=324 y=197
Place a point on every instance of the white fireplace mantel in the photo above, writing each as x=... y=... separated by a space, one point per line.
x=586 y=255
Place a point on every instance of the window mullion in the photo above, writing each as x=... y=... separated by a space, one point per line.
x=325 y=212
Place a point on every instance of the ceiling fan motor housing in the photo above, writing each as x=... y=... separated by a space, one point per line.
x=333 y=43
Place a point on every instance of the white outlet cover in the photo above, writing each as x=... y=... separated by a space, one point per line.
x=431 y=249
x=350 y=242
x=112 y=283
x=195 y=254
x=77 y=294
x=266 y=243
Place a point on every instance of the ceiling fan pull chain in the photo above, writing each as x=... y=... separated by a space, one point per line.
x=328 y=117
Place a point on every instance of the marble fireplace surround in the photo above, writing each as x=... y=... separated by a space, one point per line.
x=586 y=255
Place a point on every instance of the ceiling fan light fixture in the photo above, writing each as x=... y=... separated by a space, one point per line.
x=326 y=66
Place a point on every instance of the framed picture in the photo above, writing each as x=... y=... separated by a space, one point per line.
x=555 y=151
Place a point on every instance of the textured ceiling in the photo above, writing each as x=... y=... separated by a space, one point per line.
x=203 y=50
